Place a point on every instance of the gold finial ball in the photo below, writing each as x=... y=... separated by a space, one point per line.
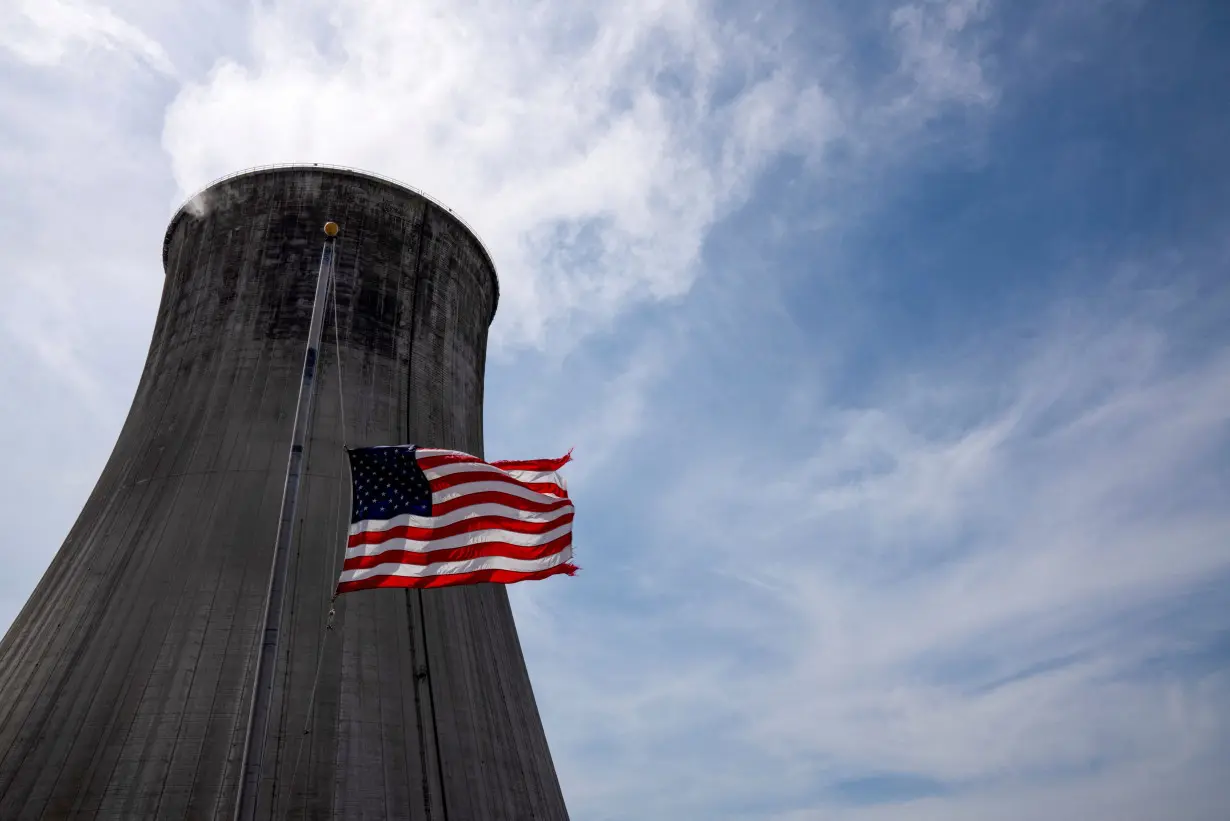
x=331 y=229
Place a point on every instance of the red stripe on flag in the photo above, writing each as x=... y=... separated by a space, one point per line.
x=423 y=534
x=450 y=579
x=460 y=554
x=498 y=498
x=533 y=464
x=429 y=462
x=464 y=478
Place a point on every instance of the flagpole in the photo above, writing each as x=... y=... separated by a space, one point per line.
x=262 y=690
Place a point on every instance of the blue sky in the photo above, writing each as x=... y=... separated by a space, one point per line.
x=891 y=336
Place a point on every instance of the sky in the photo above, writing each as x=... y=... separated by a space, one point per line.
x=892 y=338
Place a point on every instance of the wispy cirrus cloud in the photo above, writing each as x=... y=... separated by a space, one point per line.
x=967 y=590
x=940 y=51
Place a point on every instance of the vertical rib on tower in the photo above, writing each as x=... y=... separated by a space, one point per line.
x=125 y=680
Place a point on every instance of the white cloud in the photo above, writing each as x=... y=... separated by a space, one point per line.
x=85 y=199
x=937 y=51
x=45 y=32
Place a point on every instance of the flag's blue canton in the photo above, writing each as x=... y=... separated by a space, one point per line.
x=388 y=482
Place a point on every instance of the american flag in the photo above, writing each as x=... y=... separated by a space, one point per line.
x=424 y=517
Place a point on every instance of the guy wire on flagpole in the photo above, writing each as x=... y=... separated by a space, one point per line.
x=248 y=790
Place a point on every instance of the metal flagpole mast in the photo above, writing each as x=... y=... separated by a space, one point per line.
x=262 y=691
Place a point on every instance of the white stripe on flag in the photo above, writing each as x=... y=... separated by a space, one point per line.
x=486 y=509
x=449 y=468
x=491 y=487
x=548 y=476
x=449 y=568
x=460 y=540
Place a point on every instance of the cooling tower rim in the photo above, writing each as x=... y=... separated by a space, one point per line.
x=182 y=211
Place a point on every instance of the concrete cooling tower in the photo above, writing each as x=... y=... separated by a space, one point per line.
x=125 y=682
